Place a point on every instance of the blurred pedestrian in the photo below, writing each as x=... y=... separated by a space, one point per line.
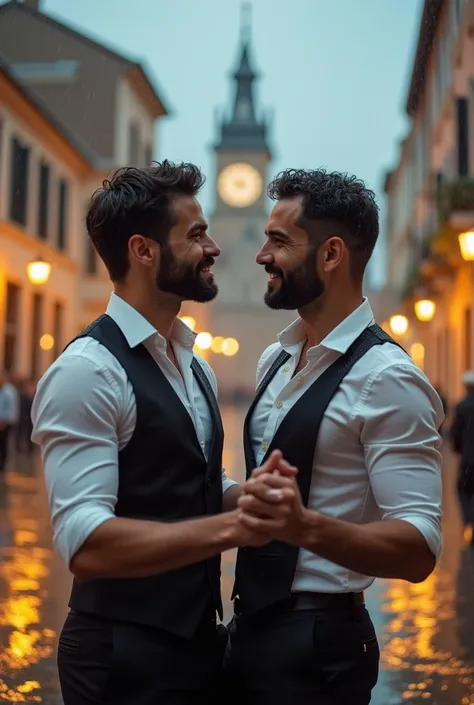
x=462 y=441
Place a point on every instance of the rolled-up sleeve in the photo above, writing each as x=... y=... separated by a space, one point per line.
x=402 y=414
x=75 y=415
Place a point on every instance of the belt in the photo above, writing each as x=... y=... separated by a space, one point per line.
x=300 y=601
x=321 y=600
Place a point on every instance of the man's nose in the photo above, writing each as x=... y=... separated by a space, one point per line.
x=264 y=256
x=211 y=248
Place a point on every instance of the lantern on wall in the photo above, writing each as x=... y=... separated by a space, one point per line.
x=466 y=245
x=38 y=271
x=398 y=324
x=425 y=309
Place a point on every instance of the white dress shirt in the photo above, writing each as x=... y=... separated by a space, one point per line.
x=9 y=404
x=377 y=455
x=84 y=413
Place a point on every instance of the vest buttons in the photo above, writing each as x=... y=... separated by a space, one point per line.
x=208 y=484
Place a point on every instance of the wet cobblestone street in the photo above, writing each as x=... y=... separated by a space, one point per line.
x=426 y=631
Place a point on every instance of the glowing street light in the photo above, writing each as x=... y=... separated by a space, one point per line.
x=189 y=321
x=466 y=245
x=398 y=324
x=46 y=342
x=417 y=352
x=203 y=341
x=38 y=271
x=425 y=309
x=230 y=347
x=217 y=344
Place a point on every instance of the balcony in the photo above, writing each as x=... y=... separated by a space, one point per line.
x=456 y=204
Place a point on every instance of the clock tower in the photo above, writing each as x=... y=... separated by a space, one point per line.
x=242 y=155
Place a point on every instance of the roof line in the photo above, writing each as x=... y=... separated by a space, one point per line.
x=88 y=154
x=429 y=23
x=85 y=39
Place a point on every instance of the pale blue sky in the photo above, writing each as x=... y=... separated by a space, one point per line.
x=335 y=73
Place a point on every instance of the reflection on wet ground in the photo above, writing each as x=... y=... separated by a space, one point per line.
x=426 y=631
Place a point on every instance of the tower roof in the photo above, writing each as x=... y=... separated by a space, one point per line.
x=244 y=130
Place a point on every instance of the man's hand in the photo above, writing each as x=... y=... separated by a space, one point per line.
x=275 y=464
x=271 y=504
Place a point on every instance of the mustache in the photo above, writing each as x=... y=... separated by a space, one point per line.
x=273 y=269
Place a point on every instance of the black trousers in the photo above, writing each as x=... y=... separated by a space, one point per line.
x=311 y=657
x=4 y=434
x=119 y=663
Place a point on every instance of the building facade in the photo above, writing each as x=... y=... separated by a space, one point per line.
x=430 y=202
x=64 y=127
x=242 y=159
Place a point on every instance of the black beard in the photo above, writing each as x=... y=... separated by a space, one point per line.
x=184 y=279
x=297 y=287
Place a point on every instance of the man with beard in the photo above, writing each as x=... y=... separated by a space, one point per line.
x=349 y=409
x=131 y=439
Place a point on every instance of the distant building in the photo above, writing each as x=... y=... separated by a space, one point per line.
x=430 y=199
x=242 y=154
x=71 y=111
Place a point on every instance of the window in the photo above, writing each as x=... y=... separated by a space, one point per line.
x=467 y=338
x=134 y=145
x=19 y=183
x=148 y=155
x=62 y=216
x=12 y=320
x=43 y=200
x=463 y=136
x=36 y=323
x=91 y=258
x=57 y=329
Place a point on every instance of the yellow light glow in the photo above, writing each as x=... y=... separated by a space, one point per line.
x=417 y=352
x=189 y=321
x=466 y=245
x=398 y=324
x=203 y=341
x=425 y=309
x=46 y=342
x=230 y=347
x=38 y=271
x=217 y=344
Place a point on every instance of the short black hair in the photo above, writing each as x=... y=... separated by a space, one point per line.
x=334 y=196
x=134 y=201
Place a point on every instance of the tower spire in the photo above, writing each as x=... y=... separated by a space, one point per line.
x=244 y=129
x=245 y=23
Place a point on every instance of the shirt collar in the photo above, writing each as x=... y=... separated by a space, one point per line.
x=340 y=338
x=137 y=329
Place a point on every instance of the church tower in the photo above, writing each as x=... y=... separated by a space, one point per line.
x=242 y=157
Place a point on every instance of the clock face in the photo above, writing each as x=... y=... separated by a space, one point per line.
x=239 y=185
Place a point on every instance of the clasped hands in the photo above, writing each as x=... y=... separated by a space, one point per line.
x=270 y=506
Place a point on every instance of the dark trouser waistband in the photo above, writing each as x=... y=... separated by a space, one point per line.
x=300 y=601
x=322 y=600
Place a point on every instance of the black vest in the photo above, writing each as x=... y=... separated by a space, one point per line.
x=163 y=476
x=264 y=575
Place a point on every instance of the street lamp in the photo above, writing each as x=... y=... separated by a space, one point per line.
x=38 y=271
x=466 y=245
x=425 y=309
x=203 y=340
x=398 y=324
x=230 y=347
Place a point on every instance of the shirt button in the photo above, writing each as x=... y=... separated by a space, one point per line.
x=264 y=447
x=286 y=369
x=279 y=404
